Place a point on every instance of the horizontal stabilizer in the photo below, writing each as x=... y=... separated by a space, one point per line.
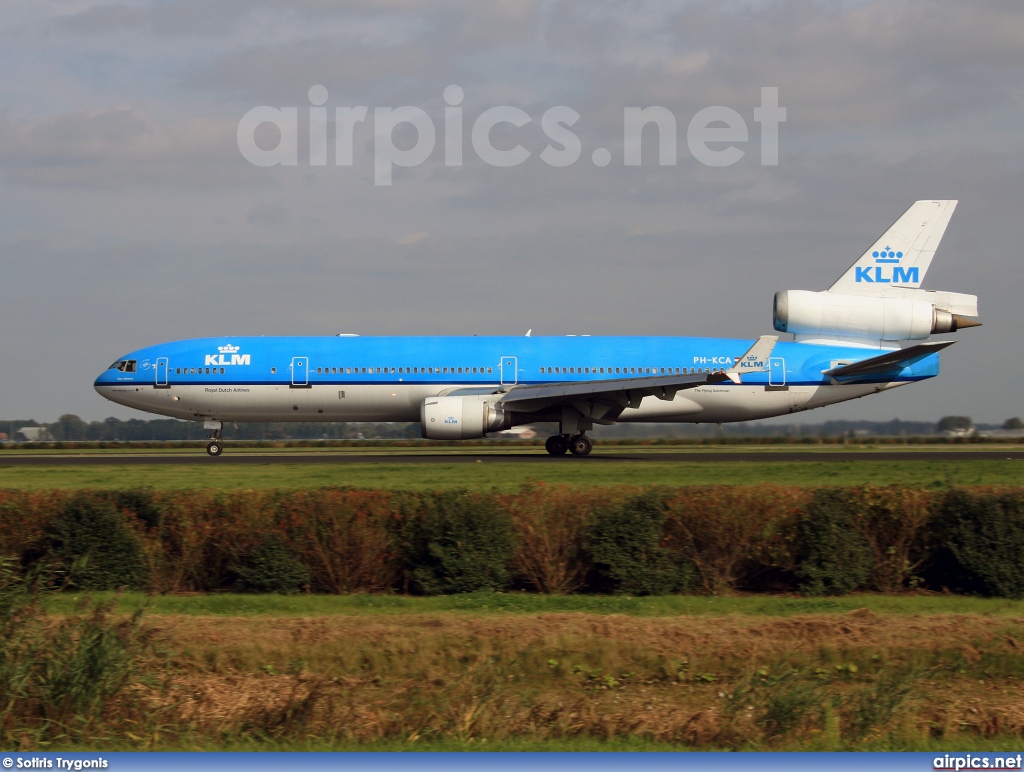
x=888 y=362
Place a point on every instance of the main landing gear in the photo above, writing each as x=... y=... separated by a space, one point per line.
x=577 y=444
x=215 y=446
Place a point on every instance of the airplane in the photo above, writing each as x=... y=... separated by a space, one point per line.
x=865 y=334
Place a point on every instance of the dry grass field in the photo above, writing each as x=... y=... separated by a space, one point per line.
x=813 y=681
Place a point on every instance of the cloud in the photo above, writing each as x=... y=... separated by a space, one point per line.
x=412 y=238
x=120 y=147
x=124 y=189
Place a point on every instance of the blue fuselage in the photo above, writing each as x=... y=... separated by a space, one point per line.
x=348 y=378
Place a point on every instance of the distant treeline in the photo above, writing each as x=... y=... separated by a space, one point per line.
x=72 y=428
x=705 y=539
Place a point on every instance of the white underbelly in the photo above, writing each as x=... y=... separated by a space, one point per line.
x=721 y=403
x=397 y=402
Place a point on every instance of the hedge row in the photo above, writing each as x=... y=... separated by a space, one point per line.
x=712 y=539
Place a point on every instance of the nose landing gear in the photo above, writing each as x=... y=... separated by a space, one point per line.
x=215 y=446
x=577 y=444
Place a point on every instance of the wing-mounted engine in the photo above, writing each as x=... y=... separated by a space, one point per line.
x=879 y=298
x=462 y=417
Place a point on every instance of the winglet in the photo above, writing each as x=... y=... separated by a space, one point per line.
x=755 y=360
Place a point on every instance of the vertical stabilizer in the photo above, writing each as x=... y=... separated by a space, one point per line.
x=901 y=255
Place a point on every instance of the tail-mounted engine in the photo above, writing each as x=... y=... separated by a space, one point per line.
x=900 y=314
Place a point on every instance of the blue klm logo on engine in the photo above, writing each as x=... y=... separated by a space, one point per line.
x=878 y=274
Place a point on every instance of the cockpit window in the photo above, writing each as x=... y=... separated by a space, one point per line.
x=124 y=365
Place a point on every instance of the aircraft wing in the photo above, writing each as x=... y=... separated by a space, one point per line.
x=888 y=362
x=604 y=400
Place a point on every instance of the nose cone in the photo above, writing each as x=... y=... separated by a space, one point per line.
x=103 y=380
x=116 y=381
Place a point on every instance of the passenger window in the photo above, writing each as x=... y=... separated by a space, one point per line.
x=488 y=371
x=222 y=371
x=177 y=371
x=273 y=370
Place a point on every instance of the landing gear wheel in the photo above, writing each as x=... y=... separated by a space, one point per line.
x=557 y=445
x=215 y=448
x=580 y=445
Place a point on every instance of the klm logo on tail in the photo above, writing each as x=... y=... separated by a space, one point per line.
x=879 y=273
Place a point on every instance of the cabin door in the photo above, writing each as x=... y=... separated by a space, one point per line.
x=300 y=371
x=509 y=371
x=161 y=371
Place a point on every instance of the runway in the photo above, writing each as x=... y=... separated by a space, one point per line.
x=540 y=457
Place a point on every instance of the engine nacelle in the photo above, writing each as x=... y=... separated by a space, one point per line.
x=862 y=316
x=462 y=418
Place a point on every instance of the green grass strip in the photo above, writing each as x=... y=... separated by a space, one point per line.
x=238 y=605
x=507 y=475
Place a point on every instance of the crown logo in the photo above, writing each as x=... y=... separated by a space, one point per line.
x=228 y=349
x=886 y=256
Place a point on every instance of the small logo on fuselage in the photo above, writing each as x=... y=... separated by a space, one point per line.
x=228 y=356
x=878 y=274
x=451 y=420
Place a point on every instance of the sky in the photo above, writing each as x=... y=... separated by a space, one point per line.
x=131 y=216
